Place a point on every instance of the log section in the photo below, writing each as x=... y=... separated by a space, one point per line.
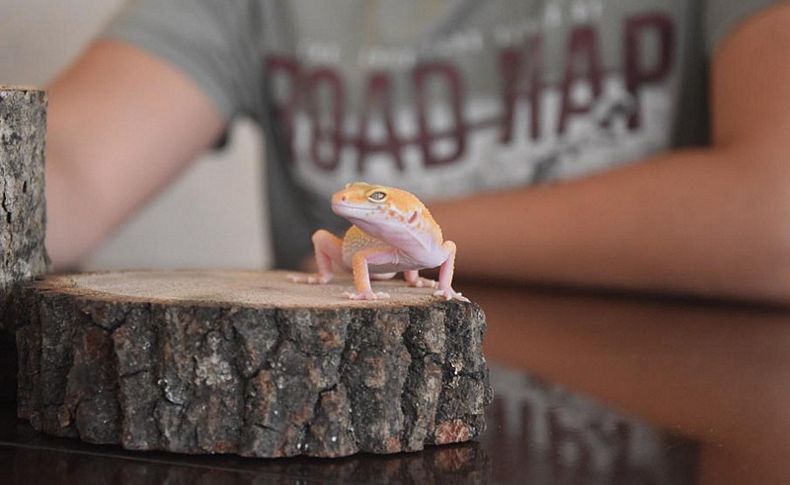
x=248 y=363
x=23 y=126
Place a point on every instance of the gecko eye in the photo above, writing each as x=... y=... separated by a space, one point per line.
x=377 y=196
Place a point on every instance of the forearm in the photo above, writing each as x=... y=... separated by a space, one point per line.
x=72 y=228
x=706 y=222
x=121 y=125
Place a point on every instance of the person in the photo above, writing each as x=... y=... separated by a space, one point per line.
x=634 y=145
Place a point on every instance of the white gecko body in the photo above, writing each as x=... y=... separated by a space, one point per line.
x=414 y=249
x=392 y=232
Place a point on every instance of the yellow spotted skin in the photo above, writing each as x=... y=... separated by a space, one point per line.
x=354 y=241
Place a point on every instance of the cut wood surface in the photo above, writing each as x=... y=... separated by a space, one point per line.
x=248 y=363
x=22 y=210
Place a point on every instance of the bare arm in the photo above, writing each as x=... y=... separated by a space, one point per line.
x=122 y=123
x=713 y=221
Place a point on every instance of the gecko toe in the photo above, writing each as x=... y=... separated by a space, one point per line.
x=450 y=294
x=424 y=283
x=315 y=279
x=368 y=295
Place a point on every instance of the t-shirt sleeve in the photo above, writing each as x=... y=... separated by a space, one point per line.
x=215 y=43
x=723 y=16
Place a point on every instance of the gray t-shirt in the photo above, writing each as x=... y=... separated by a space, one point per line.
x=443 y=98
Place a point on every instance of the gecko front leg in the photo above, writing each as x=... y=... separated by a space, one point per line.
x=359 y=266
x=328 y=254
x=446 y=275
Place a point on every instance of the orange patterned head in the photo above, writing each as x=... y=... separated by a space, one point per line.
x=377 y=208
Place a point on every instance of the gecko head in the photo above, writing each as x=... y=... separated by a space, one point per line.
x=377 y=205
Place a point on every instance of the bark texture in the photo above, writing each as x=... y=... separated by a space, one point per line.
x=248 y=363
x=22 y=209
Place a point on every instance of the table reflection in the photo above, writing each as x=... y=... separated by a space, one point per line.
x=713 y=373
x=462 y=464
x=543 y=433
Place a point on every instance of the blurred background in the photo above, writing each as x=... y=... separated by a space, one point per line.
x=212 y=217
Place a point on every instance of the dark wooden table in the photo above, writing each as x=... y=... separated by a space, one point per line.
x=590 y=389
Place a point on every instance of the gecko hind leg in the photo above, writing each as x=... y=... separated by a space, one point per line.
x=328 y=255
x=414 y=280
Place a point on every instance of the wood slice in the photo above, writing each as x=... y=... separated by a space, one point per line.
x=22 y=211
x=248 y=363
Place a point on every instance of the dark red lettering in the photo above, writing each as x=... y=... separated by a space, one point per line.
x=582 y=49
x=637 y=74
x=621 y=443
x=457 y=133
x=505 y=446
x=326 y=113
x=286 y=71
x=561 y=437
x=520 y=78
x=378 y=100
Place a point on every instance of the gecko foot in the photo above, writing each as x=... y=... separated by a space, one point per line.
x=366 y=295
x=423 y=283
x=314 y=279
x=450 y=294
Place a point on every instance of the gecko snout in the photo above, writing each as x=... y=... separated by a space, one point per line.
x=339 y=198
